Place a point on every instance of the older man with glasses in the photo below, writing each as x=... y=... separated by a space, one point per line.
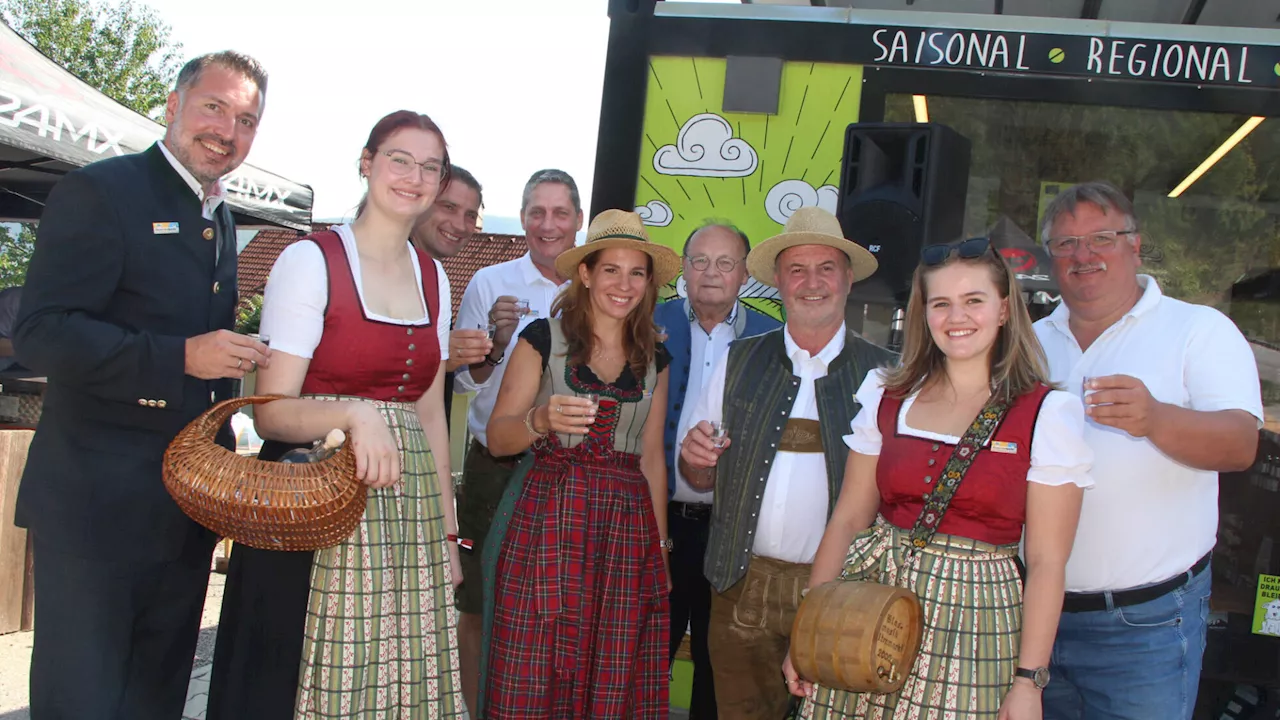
x=1172 y=398
x=699 y=329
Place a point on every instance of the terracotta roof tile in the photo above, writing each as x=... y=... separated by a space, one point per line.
x=485 y=249
x=257 y=258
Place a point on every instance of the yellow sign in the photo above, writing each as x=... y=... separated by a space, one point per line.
x=1048 y=190
x=1266 y=610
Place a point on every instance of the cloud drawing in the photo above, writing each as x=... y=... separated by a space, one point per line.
x=655 y=213
x=706 y=147
x=789 y=196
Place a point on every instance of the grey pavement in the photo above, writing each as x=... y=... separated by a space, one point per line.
x=15 y=662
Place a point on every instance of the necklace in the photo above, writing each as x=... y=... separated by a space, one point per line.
x=601 y=356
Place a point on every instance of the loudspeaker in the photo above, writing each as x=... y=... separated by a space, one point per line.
x=902 y=187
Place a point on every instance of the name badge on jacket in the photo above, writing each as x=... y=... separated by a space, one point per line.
x=1010 y=448
x=164 y=228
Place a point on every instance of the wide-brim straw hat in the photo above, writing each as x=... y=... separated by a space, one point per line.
x=809 y=226
x=620 y=229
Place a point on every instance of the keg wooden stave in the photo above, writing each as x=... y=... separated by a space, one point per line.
x=857 y=636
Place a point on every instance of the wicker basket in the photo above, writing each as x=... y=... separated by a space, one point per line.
x=266 y=505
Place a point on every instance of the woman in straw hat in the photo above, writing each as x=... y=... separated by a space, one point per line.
x=579 y=612
x=955 y=454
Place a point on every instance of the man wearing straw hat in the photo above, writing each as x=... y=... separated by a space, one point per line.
x=768 y=440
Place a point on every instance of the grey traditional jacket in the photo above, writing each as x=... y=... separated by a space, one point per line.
x=759 y=393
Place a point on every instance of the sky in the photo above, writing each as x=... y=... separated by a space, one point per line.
x=514 y=84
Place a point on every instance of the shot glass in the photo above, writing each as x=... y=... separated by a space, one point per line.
x=718 y=434
x=661 y=330
x=522 y=307
x=491 y=329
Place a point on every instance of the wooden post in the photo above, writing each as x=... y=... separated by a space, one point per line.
x=15 y=560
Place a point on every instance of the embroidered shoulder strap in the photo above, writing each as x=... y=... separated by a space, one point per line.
x=936 y=504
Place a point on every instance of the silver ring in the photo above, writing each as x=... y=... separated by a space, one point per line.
x=254 y=363
x=239 y=362
x=559 y=410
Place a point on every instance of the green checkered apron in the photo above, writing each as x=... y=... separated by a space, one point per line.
x=971 y=595
x=381 y=634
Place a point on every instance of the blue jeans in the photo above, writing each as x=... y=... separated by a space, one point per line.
x=1140 y=662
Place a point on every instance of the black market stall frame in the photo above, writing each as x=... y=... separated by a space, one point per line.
x=679 y=73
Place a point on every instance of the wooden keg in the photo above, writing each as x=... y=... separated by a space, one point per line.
x=857 y=636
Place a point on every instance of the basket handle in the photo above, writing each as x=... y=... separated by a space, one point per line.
x=219 y=414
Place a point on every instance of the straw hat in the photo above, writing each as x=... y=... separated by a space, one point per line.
x=809 y=226
x=620 y=229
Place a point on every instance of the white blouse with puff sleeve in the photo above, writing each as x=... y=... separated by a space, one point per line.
x=1059 y=454
x=298 y=291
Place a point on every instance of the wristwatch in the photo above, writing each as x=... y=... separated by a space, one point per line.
x=488 y=360
x=1039 y=676
x=668 y=544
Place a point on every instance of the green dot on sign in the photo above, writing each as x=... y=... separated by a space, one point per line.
x=1277 y=69
x=1057 y=55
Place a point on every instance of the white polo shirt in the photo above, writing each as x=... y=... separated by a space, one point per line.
x=1149 y=517
x=521 y=279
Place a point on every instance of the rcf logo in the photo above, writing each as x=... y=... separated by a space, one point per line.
x=1017 y=259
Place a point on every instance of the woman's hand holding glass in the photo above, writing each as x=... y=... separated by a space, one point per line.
x=570 y=414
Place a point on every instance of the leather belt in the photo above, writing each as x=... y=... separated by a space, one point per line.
x=1092 y=602
x=801 y=436
x=689 y=511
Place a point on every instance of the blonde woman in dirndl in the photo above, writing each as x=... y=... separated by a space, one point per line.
x=987 y=633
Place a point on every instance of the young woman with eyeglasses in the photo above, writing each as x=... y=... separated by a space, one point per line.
x=970 y=359
x=359 y=323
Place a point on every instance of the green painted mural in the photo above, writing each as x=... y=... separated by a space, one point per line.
x=699 y=163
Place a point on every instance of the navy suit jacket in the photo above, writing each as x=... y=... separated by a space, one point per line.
x=111 y=296
x=674 y=316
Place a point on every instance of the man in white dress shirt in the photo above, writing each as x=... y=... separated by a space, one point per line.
x=508 y=296
x=1172 y=399
x=785 y=398
x=699 y=329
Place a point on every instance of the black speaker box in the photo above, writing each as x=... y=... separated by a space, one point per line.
x=902 y=187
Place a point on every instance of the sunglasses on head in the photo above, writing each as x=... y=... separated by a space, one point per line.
x=967 y=250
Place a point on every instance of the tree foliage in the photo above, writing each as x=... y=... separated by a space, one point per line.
x=122 y=49
x=15 y=254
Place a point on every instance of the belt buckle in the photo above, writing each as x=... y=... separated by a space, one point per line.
x=689 y=511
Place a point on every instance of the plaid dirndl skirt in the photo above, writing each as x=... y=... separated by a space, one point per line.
x=579 y=612
x=381 y=634
x=971 y=596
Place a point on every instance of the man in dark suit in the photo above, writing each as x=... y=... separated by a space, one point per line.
x=128 y=308
x=699 y=331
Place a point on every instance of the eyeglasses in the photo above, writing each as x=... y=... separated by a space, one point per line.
x=969 y=249
x=1065 y=245
x=402 y=164
x=702 y=262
